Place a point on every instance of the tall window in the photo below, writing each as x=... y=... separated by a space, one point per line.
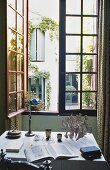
x=64 y=33
x=76 y=62
x=16 y=54
x=78 y=56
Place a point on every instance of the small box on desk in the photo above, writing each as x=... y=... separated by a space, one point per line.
x=90 y=152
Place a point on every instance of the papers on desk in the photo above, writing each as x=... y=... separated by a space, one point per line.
x=11 y=146
x=49 y=151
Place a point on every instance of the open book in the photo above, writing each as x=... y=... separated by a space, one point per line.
x=49 y=151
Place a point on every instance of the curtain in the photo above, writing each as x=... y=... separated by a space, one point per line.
x=14 y=123
x=103 y=116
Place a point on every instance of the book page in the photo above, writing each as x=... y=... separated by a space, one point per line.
x=60 y=151
x=36 y=152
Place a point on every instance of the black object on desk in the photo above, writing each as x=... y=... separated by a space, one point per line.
x=29 y=133
x=13 y=134
x=90 y=152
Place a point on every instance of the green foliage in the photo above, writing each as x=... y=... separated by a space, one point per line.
x=39 y=74
x=87 y=97
x=47 y=24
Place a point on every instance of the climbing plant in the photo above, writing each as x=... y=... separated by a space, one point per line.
x=45 y=25
x=42 y=74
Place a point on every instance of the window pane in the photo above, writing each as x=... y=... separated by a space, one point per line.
x=72 y=82
x=72 y=100
x=89 y=63
x=12 y=82
x=20 y=63
x=37 y=45
x=88 y=100
x=89 y=44
x=20 y=82
x=19 y=101
x=89 y=82
x=11 y=18
x=73 y=25
x=19 y=24
x=12 y=40
x=73 y=63
x=73 y=6
x=20 y=43
x=11 y=3
x=72 y=44
x=89 y=25
x=12 y=60
x=89 y=7
x=20 y=6
x=12 y=103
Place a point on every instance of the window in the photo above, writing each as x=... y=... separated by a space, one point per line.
x=66 y=76
x=37 y=46
x=16 y=55
x=78 y=56
x=38 y=86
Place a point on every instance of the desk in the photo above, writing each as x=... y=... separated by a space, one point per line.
x=78 y=163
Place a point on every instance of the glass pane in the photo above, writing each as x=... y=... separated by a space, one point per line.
x=72 y=100
x=20 y=6
x=11 y=3
x=72 y=82
x=73 y=6
x=89 y=63
x=89 y=7
x=89 y=82
x=12 y=21
x=19 y=24
x=20 y=42
x=12 y=103
x=89 y=44
x=19 y=82
x=12 y=82
x=72 y=63
x=72 y=44
x=20 y=63
x=11 y=60
x=88 y=100
x=73 y=25
x=12 y=40
x=89 y=25
x=19 y=101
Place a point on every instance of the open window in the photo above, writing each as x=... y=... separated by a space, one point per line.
x=62 y=56
x=16 y=55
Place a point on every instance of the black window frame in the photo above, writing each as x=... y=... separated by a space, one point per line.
x=62 y=60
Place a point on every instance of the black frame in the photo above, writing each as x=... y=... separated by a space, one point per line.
x=62 y=60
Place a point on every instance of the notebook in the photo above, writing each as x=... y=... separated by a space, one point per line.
x=12 y=146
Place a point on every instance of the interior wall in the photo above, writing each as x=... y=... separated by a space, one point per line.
x=3 y=54
x=40 y=123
